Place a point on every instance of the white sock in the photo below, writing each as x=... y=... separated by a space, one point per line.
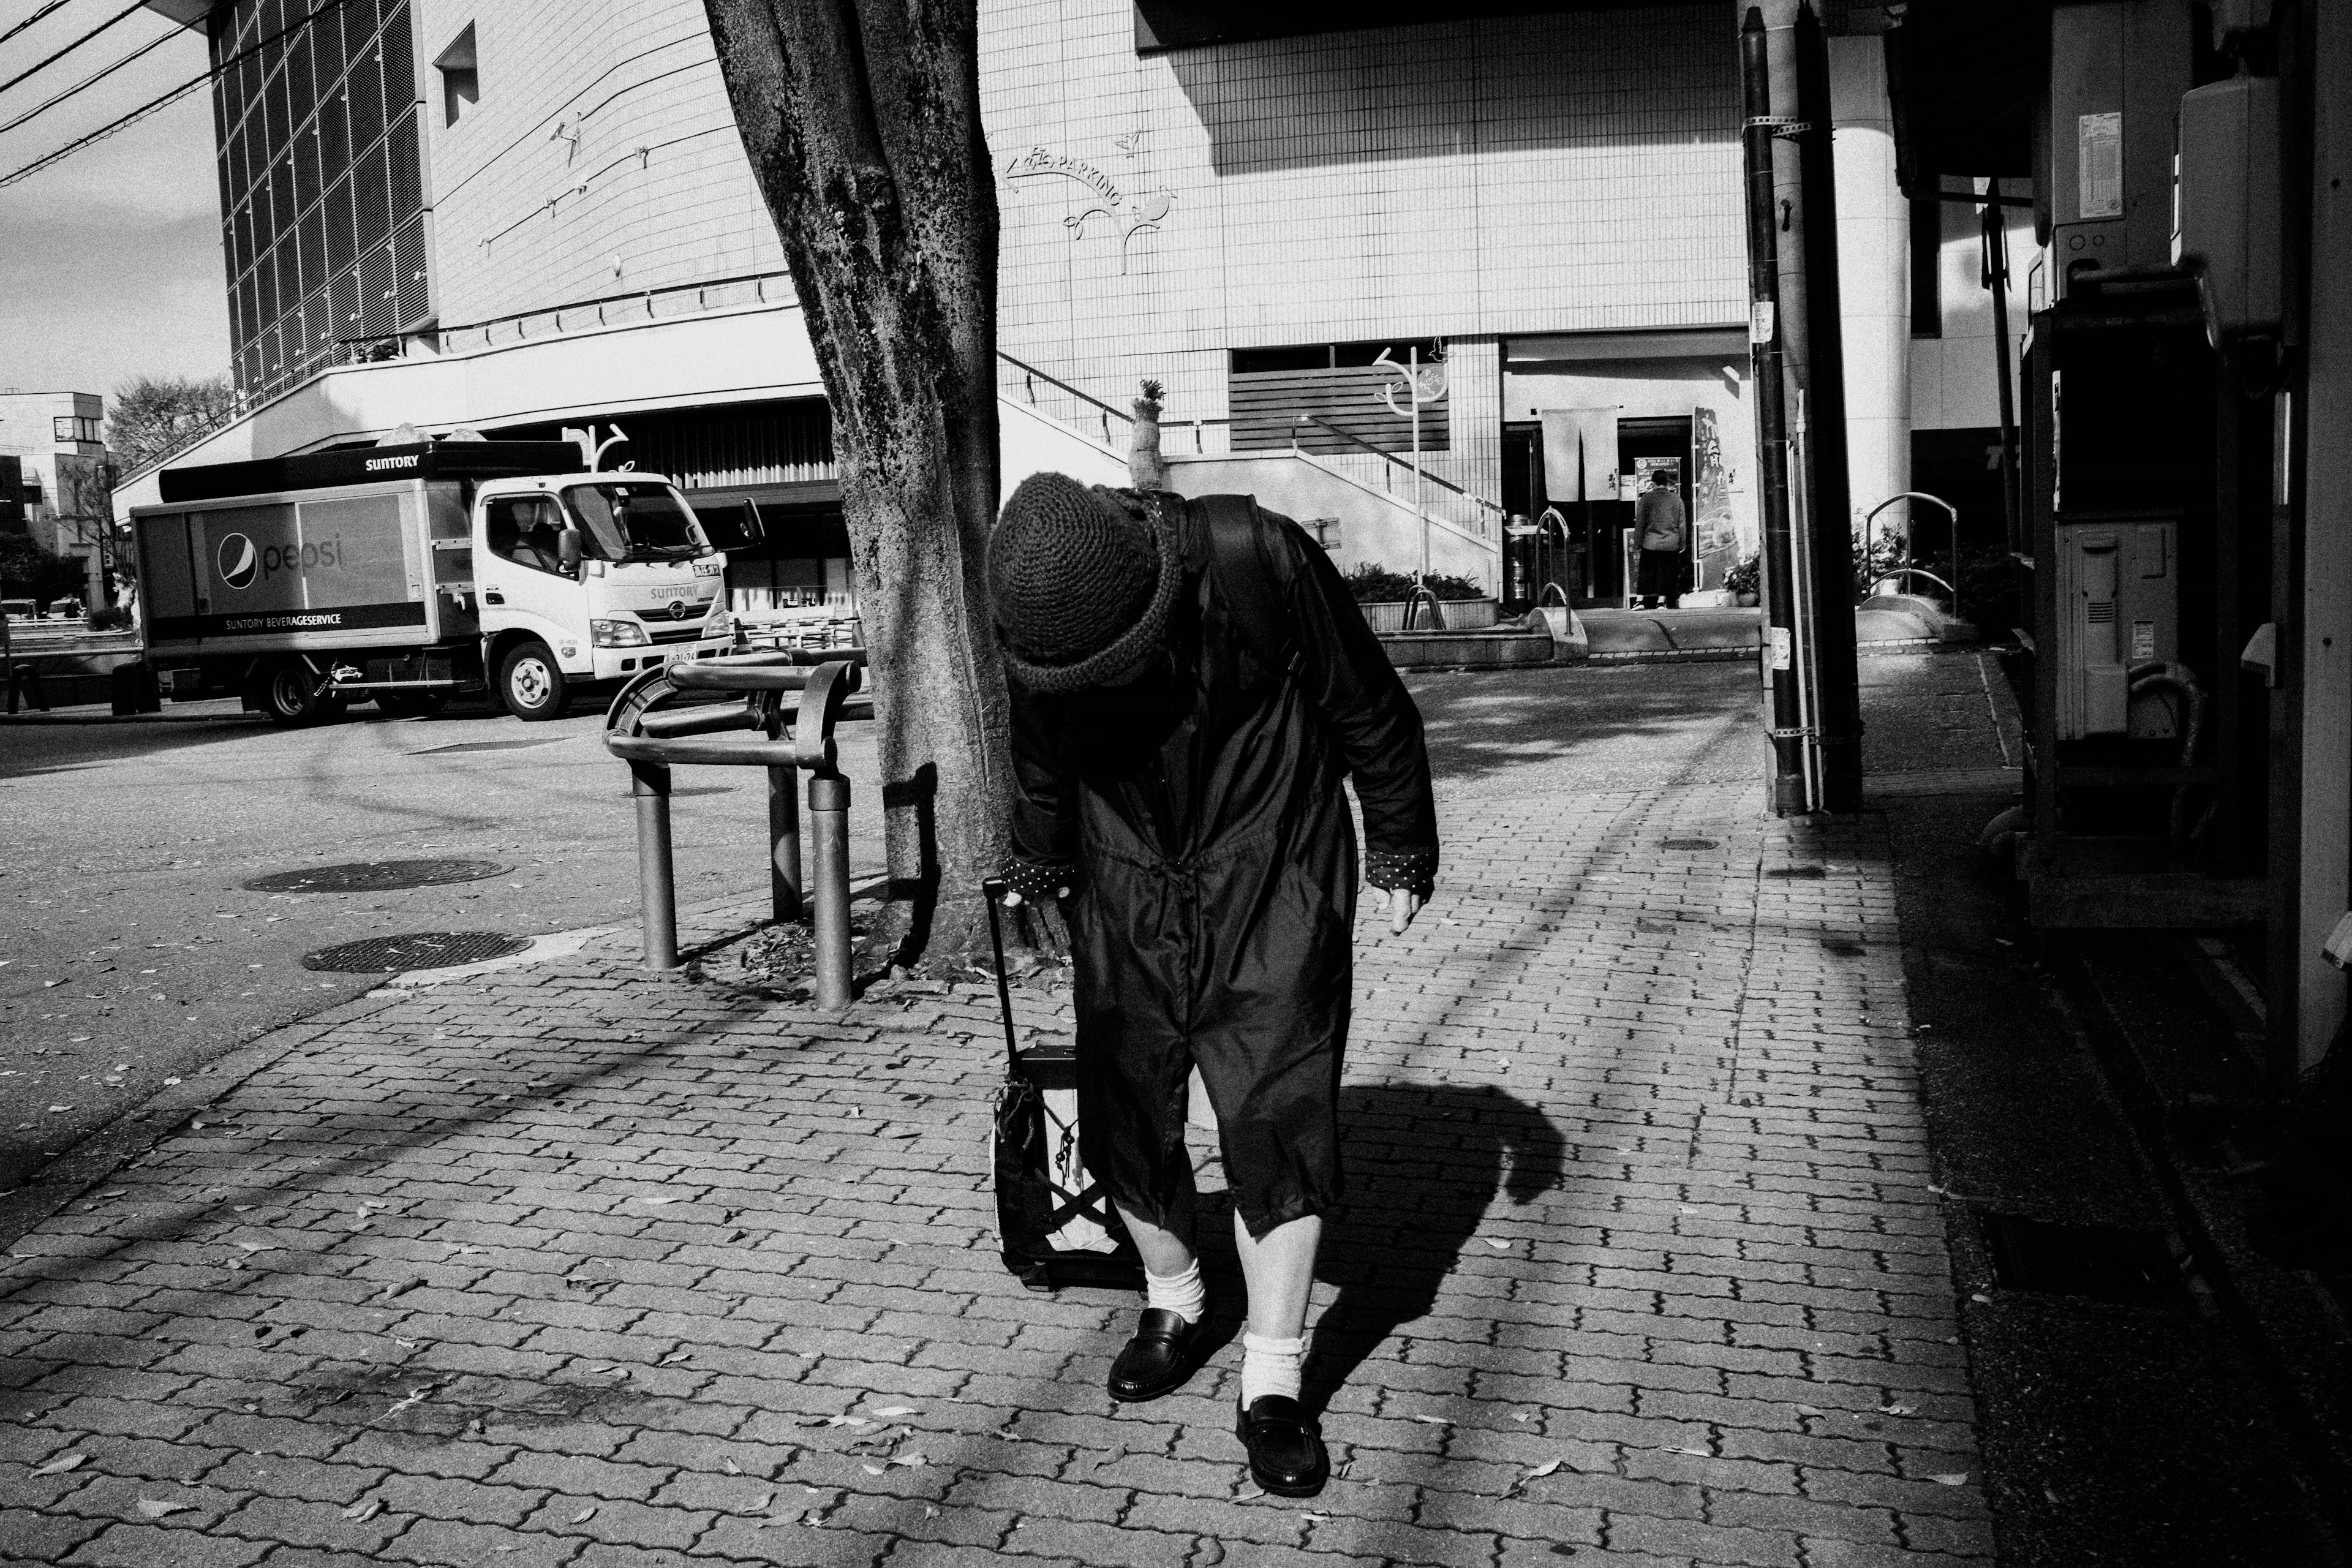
x=1182 y=1294
x=1270 y=1366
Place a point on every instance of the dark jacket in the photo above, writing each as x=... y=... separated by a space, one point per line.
x=1214 y=865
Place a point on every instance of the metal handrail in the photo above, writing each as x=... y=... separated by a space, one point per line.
x=1951 y=515
x=1422 y=594
x=1438 y=479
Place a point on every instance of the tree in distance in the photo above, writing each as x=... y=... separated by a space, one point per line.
x=147 y=417
x=861 y=118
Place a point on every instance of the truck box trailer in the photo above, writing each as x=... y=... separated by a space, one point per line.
x=406 y=574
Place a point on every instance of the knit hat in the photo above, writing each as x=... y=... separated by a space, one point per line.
x=1082 y=587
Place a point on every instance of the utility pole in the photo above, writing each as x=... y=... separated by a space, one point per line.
x=1802 y=217
x=1786 y=715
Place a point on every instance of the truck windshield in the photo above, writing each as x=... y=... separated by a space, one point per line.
x=625 y=521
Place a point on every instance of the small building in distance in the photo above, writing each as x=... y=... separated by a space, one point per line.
x=60 y=458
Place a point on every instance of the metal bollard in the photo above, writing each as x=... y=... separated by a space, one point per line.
x=649 y=782
x=784 y=837
x=829 y=826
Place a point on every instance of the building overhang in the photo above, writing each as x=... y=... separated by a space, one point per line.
x=1161 y=25
x=188 y=13
x=1963 y=77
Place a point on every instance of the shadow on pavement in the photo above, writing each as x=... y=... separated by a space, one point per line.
x=1425 y=1163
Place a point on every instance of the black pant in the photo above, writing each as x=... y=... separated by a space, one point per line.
x=1662 y=577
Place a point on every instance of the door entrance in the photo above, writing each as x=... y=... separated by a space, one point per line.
x=1644 y=447
x=1576 y=548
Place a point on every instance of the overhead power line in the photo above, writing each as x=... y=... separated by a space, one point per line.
x=86 y=83
x=28 y=21
x=128 y=11
x=151 y=105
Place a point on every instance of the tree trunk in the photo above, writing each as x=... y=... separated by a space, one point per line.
x=861 y=122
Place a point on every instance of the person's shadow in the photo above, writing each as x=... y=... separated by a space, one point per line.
x=1424 y=1163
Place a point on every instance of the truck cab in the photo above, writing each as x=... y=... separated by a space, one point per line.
x=590 y=576
x=406 y=573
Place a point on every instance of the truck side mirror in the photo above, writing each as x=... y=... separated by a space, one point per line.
x=567 y=551
x=754 y=532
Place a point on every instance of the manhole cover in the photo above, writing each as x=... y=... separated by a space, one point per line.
x=417 y=950
x=1796 y=873
x=2131 y=1267
x=373 y=876
x=1688 y=844
x=487 y=746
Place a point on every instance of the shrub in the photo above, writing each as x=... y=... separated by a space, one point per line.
x=109 y=618
x=1747 y=577
x=1373 y=583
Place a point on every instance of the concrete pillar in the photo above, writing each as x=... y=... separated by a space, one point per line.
x=1874 y=279
x=2323 y=658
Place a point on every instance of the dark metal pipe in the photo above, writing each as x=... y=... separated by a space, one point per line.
x=656 y=886
x=829 y=826
x=784 y=840
x=1996 y=275
x=1785 y=714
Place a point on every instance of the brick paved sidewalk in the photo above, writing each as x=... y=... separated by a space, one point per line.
x=567 y=1266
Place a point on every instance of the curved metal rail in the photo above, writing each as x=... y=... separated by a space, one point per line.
x=756 y=734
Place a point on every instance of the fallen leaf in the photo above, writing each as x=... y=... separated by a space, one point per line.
x=1981 y=1296
x=895 y=1410
x=930 y=1511
x=364 y=1510
x=912 y=1461
x=1540 y=1471
x=761 y=1506
x=1694 y=1453
x=673 y=1356
x=1433 y=1420
x=871 y=1470
x=662 y=1198
x=1247 y=1494
x=1958 y=1481
x=60 y=1108
x=1810 y=1410
x=1894 y=1410
x=585 y=1515
x=153 y=1508
x=1314 y=1514
x=62 y=1463
x=1522 y=1414
x=416 y=1396
x=731 y=1467
x=256 y=1247
x=1498 y=1245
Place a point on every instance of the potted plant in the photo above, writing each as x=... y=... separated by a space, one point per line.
x=1744 y=582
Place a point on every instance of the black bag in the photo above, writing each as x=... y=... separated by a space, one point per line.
x=1055 y=1227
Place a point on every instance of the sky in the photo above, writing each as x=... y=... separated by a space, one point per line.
x=110 y=259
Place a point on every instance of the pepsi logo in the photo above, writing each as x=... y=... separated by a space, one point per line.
x=238 y=561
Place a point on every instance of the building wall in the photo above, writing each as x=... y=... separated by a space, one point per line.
x=1465 y=179
x=601 y=158
x=29 y=431
x=1954 y=384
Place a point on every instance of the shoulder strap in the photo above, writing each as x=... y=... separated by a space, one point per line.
x=1237 y=544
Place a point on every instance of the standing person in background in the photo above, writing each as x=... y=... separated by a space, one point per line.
x=1189 y=682
x=1659 y=518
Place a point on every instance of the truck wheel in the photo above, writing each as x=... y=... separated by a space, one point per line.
x=532 y=685
x=290 y=696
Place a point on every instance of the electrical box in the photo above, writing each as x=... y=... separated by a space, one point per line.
x=2225 y=205
x=2118 y=607
x=2118 y=71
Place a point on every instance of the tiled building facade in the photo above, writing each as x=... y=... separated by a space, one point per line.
x=1548 y=203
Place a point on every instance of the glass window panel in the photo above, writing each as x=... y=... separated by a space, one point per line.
x=371 y=199
x=346 y=297
x=341 y=248
x=366 y=87
x=306 y=170
x=265 y=288
x=409 y=281
x=301 y=89
x=311 y=239
x=379 y=307
x=241 y=243
x=407 y=182
x=277 y=116
x=334 y=136
x=399 y=62
x=282 y=206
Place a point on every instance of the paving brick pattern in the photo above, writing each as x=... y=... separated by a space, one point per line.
x=572 y=1267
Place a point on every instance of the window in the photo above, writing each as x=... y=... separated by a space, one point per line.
x=461 y=80
x=526 y=530
x=72 y=428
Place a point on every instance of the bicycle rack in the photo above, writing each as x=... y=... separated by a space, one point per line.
x=652 y=740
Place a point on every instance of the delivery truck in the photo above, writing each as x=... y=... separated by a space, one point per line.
x=407 y=574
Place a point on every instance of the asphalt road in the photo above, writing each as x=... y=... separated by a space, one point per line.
x=131 y=953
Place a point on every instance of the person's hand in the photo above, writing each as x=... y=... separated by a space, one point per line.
x=1402 y=905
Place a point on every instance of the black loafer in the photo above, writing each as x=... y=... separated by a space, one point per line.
x=1157 y=1361
x=1286 y=1452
